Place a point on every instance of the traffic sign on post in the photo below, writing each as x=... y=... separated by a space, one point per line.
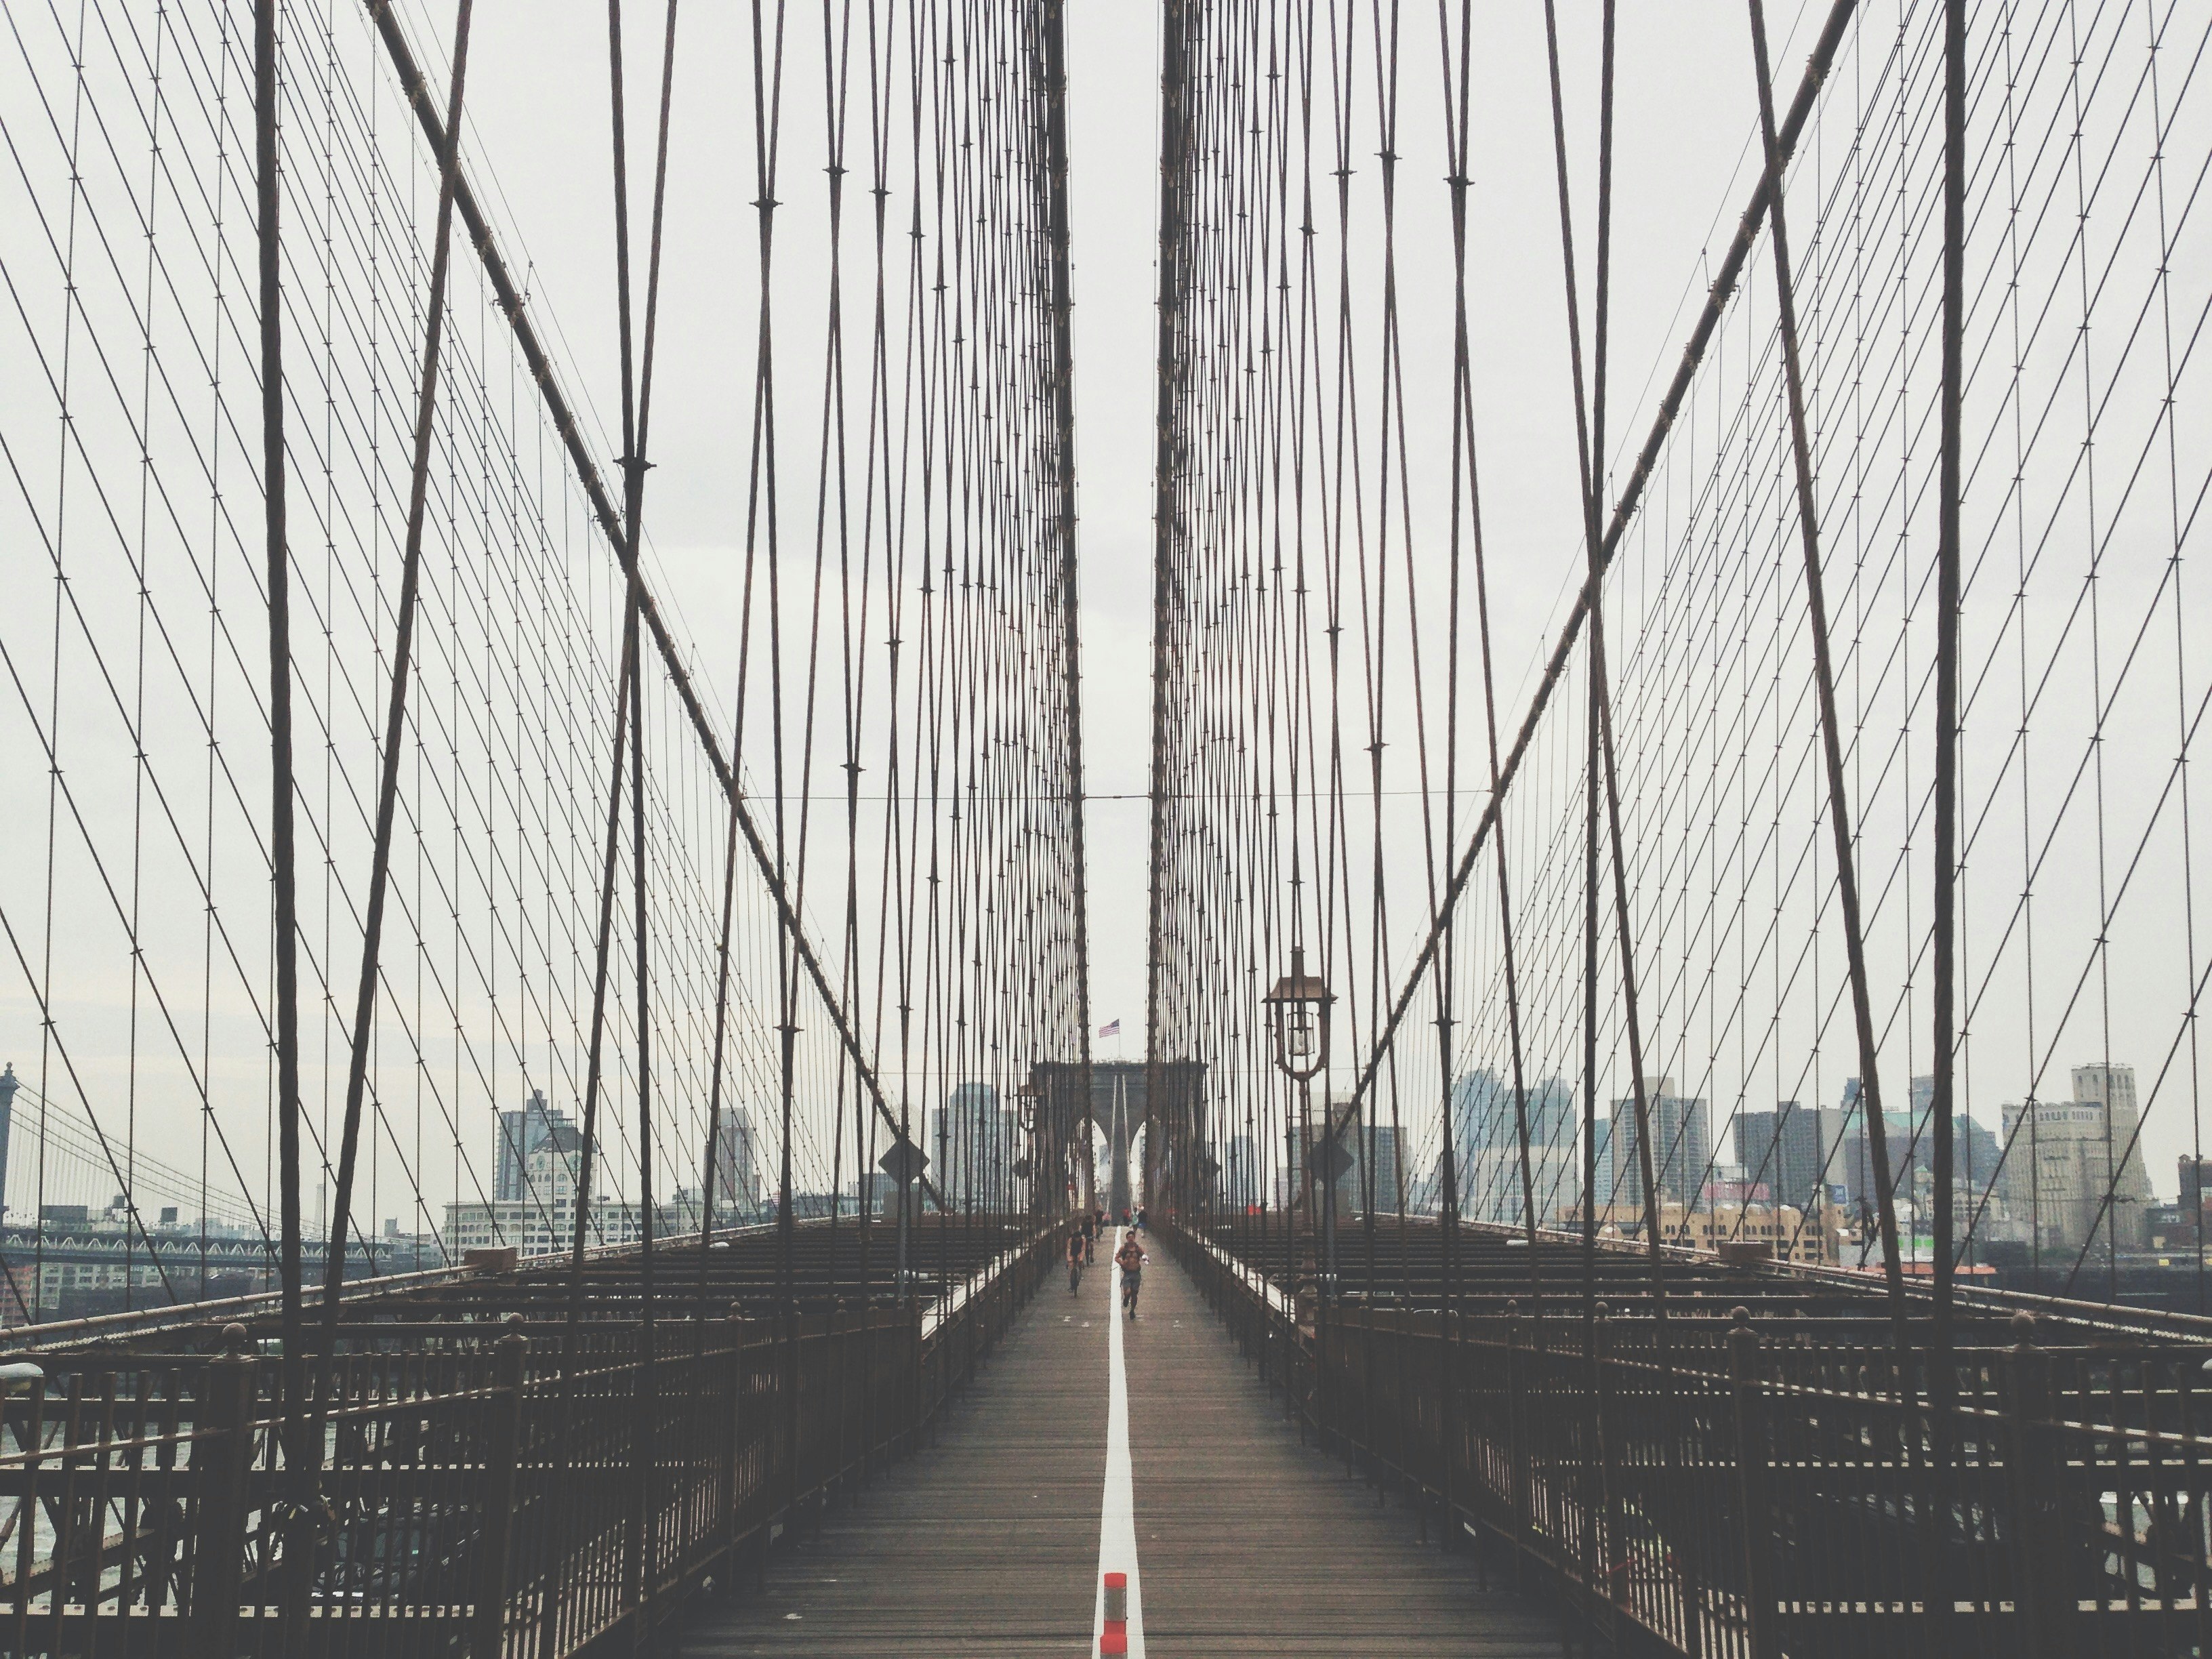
x=904 y=1162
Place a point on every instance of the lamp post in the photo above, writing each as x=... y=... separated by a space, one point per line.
x=1030 y=1166
x=1297 y=1016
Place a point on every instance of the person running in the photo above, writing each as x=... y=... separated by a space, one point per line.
x=1075 y=1253
x=1090 y=1236
x=1130 y=1258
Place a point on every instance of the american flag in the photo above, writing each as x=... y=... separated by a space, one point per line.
x=1114 y=1028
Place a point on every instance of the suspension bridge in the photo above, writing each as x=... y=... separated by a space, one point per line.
x=553 y=1099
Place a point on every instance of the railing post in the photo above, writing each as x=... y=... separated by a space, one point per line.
x=921 y=1392
x=787 y=1414
x=1306 y=1299
x=502 y=1454
x=223 y=1451
x=734 y=1461
x=1613 y=1563
x=1517 y=1443
x=1589 y=1487
x=975 y=1308
x=2033 y=1473
x=1316 y=1381
x=1751 y=1487
x=1447 y=1425
x=836 y=1358
x=1370 y=1338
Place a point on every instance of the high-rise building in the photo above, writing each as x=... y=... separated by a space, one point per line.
x=1974 y=1160
x=1850 y=1159
x=520 y=1133
x=1301 y=1138
x=1920 y=1115
x=736 y=1167
x=1974 y=1148
x=1487 y=1134
x=2196 y=1189
x=1377 y=1148
x=1681 y=1145
x=1781 y=1151
x=544 y=1220
x=1857 y=1161
x=1473 y=1108
x=1838 y=1124
x=1424 y=1193
x=873 y=1194
x=2067 y=1156
x=1240 y=1172
x=969 y=1139
x=549 y=1176
x=1976 y=1151
x=2196 y=1180
x=1483 y=1113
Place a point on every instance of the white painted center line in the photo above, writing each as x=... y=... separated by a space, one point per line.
x=1117 y=1515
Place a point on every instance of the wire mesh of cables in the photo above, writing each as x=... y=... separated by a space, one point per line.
x=1619 y=993
x=709 y=1054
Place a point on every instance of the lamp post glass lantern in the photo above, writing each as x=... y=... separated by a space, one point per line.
x=1031 y=1162
x=1298 y=1015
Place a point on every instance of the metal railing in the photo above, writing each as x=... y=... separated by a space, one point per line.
x=1721 y=1485
x=494 y=1488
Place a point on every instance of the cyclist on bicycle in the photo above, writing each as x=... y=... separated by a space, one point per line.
x=1075 y=1251
x=1130 y=1258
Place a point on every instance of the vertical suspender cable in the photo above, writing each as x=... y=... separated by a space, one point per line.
x=1947 y=650
x=268 y=192
x=1940 y=1379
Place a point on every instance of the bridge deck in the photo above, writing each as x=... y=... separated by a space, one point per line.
x=1248 y=1542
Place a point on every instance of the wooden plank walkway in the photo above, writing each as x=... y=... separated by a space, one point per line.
x=1247 y=1543
x=986 y=1543
x=1250 y=1543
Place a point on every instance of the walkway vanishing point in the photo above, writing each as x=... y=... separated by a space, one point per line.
x=1090 y=1445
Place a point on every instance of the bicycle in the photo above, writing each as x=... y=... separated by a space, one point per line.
x=1074 y=1275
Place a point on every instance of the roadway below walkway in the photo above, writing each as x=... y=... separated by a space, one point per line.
x=991 y=1541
